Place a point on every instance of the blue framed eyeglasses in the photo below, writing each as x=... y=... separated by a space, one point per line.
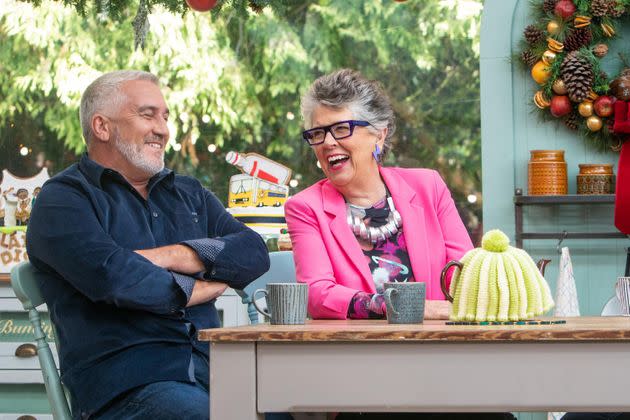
x=339 y=130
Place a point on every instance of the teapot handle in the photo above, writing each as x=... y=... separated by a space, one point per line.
x=541 y=264
x=443 y=277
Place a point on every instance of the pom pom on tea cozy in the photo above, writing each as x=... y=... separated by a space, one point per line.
x=495 y=241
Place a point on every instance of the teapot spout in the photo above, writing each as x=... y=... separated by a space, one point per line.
x=541 y=264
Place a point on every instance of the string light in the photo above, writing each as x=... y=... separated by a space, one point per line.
x=293 y=183
x=472 y=198
x=290 y=116
x=24 y=150
x=177 y=147
x=212 y=148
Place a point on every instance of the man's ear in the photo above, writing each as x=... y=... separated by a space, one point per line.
x=102 y=128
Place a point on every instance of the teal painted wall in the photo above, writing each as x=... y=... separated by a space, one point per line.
x=509 y=129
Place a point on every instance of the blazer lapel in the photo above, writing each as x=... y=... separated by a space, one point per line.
x=335 y=207
x=410 y=208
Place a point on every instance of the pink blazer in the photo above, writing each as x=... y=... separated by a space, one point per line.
x=329 y=259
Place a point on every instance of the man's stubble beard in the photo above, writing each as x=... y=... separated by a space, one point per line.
x=134 y=154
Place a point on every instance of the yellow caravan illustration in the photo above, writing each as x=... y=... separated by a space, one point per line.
x=247 y=191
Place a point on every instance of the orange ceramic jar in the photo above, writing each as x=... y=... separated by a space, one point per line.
x=547 y=173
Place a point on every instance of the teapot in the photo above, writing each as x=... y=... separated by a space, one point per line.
x=496 y=282
x=541 y=264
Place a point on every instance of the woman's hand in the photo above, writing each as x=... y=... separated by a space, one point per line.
x=437 y=309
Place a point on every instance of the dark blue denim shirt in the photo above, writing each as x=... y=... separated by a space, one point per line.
x=121 y=321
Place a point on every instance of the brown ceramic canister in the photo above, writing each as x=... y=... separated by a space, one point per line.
x=595 y=179
x=547 y=173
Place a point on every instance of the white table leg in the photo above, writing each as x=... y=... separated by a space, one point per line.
x=233 y=381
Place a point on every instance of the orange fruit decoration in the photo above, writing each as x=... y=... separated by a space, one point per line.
x=541 y=73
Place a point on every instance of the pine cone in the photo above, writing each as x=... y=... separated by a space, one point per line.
x=533 y=34
x=616 y=10
x=572 y=121
x=600 y=7
x=529 y=58
x=577 y=39
x=549 y=5
x=600 y=50
x=577 y=75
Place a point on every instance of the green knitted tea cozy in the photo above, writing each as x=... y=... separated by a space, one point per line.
x=498 y=283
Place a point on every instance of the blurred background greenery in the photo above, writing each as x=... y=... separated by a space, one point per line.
x=233 y=80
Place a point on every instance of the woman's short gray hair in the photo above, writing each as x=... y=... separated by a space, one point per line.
x=347 y=88
x=104 y=94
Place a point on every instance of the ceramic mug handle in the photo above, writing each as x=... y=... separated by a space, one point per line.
x=264 y=291
x=388 y=300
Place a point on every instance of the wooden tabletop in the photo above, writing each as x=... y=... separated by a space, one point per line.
x=575 y=329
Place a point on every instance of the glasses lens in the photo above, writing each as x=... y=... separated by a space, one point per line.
x=315 y=135
x=341 y=130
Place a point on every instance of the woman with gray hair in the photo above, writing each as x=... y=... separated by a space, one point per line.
x=366 y=224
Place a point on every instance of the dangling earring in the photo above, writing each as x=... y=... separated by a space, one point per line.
x=376 y=153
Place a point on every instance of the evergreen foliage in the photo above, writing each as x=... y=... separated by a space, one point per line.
x=233 y=77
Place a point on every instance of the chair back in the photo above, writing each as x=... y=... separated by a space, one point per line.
x=24 y=279
x=281 y=270
x=612 y=307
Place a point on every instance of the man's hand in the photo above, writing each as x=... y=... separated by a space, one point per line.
x=179 y=258
x=204 y=291
x=437 y=309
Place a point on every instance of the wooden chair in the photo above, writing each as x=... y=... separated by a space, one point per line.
x=24 y=279
x=281 y=270
x=612 y=307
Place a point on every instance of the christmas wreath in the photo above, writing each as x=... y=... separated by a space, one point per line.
x=563 y=50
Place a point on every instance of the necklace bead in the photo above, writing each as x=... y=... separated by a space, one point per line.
x=375 y=234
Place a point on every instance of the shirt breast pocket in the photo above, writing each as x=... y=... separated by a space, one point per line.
x=189 y=225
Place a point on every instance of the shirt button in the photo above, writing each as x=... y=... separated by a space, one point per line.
x=155 y=214
x=213 y=272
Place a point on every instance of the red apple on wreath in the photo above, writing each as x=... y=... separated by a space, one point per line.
x=560 y=105
x=603 y=106
x=565 y=9
x=201 y=5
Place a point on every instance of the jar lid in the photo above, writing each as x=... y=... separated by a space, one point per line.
x=547 y=155
x=595 y=168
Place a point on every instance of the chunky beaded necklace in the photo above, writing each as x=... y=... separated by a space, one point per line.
x=374 y=234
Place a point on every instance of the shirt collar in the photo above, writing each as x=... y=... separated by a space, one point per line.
x=95 y=173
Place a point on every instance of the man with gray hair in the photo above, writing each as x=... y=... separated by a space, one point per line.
x=134 y=257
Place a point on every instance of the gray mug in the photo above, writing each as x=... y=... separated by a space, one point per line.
x=622 y=290
x=286 y=303
x=405 y=302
